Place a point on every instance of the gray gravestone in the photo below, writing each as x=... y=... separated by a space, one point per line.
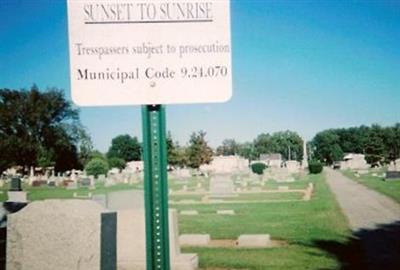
x=392 y=175
x=85 y=182
x=16 y=184
x=62 y=235
x=222 y=186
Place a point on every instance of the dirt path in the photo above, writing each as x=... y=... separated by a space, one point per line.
x=364 y=208
x=375 y=221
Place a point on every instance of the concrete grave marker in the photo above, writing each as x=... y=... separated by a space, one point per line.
x=221 y=186
x=254 y=240
x=68 y=234
x=194 y=239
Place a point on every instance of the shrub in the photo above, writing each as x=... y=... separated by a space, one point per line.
x=315 y=167
x=96 y=166
x=258 y=168
x=115 y=162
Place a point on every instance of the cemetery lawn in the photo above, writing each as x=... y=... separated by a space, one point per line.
x=298 y=224
x=388 y=188
x=44 y=192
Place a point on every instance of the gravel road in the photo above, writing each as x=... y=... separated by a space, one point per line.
x=364 y=208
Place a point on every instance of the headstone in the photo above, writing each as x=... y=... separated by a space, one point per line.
x=184 y=188
x=392 y=175
x=292 y=166
x=125 y=199
x=85 y=182
x=109 y=182
x=283 y=188
x=226 y=212
x=132 y=247
x=83 y=196
x=189 y=212
x=68 y=234
x=92 y=184
x=17 y=196
x=15 y=193
x=254 y=240
x=182 y=173
x=198 y=240
x=16 y=184
x=73 y=175
x=362 y=172
x=221 y=186
x=72 y=185
x=51 y=183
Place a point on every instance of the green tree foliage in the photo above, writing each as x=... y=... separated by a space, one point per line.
x=258 y=168
x=247 y=151
x=38 y=128
x=85 y=147
x=115 y=162
x=125 y=147
x=379 y=144
x=96 y=167
x=288 y=143
x=176 y=154
x=375 y=146
x=327 y=147
x=315 y=167
x=229 y=147
x=198 y=152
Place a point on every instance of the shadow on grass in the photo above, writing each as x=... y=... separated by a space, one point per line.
x=368 y=249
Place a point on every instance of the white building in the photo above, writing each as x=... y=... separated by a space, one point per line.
x=354 y=162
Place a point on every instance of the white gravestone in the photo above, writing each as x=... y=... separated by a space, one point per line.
x=221 y=186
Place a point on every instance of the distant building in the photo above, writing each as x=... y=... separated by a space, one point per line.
x=354 y=162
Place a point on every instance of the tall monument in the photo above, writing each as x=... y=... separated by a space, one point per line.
x=304 y=162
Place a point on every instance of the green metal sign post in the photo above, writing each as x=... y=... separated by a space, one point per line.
x=155 y=187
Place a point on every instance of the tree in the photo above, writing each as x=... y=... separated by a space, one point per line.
x=198 y=152
x=115 y=162
x=229 y=147
x=247 y=150
x=375 y=148
x=38 y=128
x=85 y=147
x=176 y=154
x=258 y=168
x=263 y=145
x=125 y=147
x=96 y=167
x=326 y=147
x=288 y=143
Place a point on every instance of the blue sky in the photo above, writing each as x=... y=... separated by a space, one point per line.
x=299 y=65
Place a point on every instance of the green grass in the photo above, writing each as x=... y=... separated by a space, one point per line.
x=44 y=192
x=294 y=257
x=388 y=188
x=300 y=223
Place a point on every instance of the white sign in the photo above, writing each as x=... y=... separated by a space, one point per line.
x=149 y=52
